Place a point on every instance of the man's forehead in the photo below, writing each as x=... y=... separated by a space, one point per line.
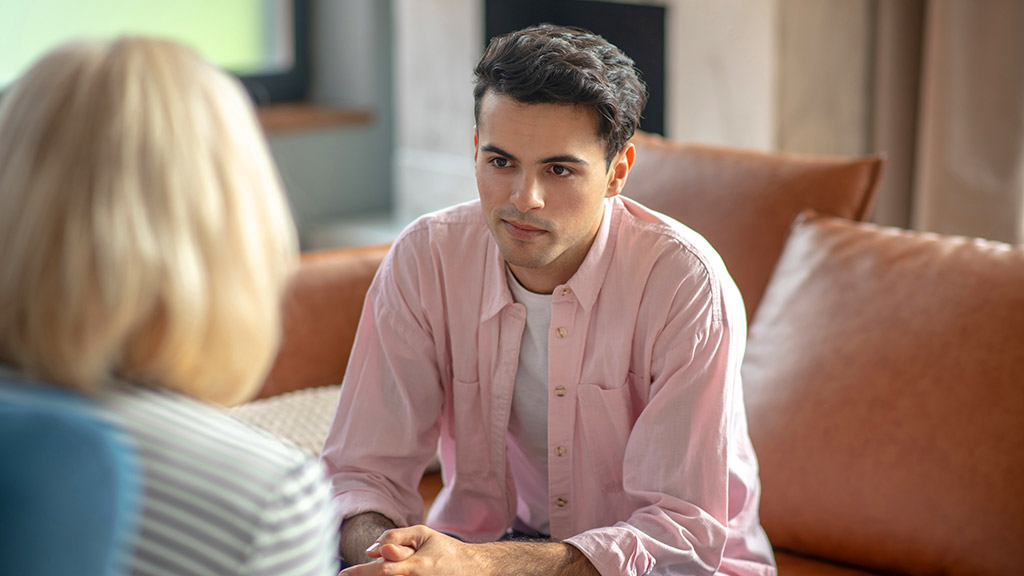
x=540 y=129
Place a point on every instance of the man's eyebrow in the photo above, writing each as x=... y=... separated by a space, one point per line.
x=498 y=151
x=564 y=159
x=559 y=159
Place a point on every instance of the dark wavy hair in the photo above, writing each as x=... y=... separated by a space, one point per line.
x=548 y=64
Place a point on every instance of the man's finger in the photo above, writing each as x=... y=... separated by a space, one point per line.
x=395 y=552
x=411 y=537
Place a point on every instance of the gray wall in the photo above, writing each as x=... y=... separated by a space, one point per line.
x=337 y=173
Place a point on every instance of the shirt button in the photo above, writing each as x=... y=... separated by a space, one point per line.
x=565 y=291
x=559 y=391
x=560 y=451
x=561 y=331
x=561 y=502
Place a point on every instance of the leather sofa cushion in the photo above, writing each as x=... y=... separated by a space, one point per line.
x=743 y=201
x=884 y=383
x=793 y=565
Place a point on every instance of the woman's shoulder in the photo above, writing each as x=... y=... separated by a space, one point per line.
x=228 y=493
x=168 y=425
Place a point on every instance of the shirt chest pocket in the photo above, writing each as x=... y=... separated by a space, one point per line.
x=472 y=453
x=608 y=416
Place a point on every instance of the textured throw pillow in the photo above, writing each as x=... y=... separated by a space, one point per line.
x=884 y=383
x=301 y=417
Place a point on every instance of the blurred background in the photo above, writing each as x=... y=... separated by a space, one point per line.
x=383 y=89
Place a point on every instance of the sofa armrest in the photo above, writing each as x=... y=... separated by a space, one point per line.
x=322 y=306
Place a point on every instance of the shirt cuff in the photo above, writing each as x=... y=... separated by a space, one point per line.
x=614 y=550
x=356 y=501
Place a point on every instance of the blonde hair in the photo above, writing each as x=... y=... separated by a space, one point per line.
x=144 y=232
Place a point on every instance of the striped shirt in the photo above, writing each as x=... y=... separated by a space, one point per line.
x=221 y=497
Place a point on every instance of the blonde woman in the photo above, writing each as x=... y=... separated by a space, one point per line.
x=144 y=245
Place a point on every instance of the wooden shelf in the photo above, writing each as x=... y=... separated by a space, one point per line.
x=294 y=117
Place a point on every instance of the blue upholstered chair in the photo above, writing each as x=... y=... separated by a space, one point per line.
x=68 y=487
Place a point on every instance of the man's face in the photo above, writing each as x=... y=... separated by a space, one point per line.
x=542 y=178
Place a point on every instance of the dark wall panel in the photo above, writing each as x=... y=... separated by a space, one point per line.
x=638 y=30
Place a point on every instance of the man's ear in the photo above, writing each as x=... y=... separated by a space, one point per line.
x=620 y=168
x=476 y=144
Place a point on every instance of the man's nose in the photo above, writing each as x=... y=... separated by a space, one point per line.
x=528 y=195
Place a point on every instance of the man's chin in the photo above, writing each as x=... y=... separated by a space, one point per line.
x=519 y=259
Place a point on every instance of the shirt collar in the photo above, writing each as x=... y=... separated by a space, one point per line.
x=587 y=281
x=496 y=291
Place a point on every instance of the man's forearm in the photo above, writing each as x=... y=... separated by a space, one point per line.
x=535 y=559
x=358 y=532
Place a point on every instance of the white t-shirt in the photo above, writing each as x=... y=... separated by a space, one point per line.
x=528 y=422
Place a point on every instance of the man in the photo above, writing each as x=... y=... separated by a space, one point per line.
x=575 y=356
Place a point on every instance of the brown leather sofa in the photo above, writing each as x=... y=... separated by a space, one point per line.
x=884 y=375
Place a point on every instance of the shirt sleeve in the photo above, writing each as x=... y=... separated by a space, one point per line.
x=298 y=529
x=675 y=465
x=387 y=424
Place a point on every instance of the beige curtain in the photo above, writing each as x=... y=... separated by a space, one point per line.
x=949 y=111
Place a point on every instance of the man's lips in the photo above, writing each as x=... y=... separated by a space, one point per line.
x=522 y=230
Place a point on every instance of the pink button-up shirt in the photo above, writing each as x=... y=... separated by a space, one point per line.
x=651 y=469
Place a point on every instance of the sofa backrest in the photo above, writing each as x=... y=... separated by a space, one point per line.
x=884 y=383
x=743 y=201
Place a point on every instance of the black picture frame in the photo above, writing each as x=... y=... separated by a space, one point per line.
x=290 y=85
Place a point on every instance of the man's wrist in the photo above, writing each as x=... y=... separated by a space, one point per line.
x=536 y=558
x=358 y=532
x=577 y=563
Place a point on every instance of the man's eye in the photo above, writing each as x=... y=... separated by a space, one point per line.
x=559 y=170
x=499 y=162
